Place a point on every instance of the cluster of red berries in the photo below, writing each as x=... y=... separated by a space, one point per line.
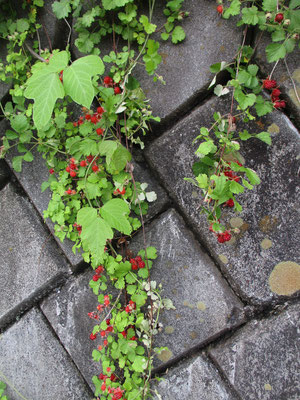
x=108 y=82
x=272 y=85
x=230 y=174
x=137 y=263
x=116 y=393
x=224 y=236
x=124 y=333
x=93 y=118
x=78 y=228
x=98 y=272
x=130 y=307
x=121 y=192
x=229 y=203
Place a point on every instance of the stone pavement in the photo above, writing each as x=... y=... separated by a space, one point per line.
x=235 y=332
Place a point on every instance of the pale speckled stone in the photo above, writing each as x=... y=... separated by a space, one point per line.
x=262 y=360
x=195 y=379
x=205 y=306
x=36 y=364
x=270 y=210
x=30 y=263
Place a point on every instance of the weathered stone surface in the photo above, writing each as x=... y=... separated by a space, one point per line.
x=35 y=363
x=282 y=74
x=262 y=360
x=268 y=224
x=195 y=379
x=4 y=173
x=30 y=262
x=67 y=310
x=205 y=306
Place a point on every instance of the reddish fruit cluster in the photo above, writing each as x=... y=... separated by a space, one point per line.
x=70 y=192
x=72 y=167
x=220 y=9
x=229 y=203
x=224 y=236
x=78 y=228
x=230 y=174
x=109 y=83
x=279 y=18
x=98 y=272
x=130 y=307
x=137 y=263
x=93 y=118
x=121 y=192
x=51 y=171
x=271 y=84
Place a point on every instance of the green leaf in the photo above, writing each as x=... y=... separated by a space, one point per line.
x=28 y=156
x=77 y=79
x=233 y=9
x=265 y=137
x=275 y=51
x=19 y=123
x=178 y=35
x=206 y=148
x=252 y=69
x=249 y=15
x=61 y=8
x=263 y=106
x=245 y=135
x=107 y=148
x=244 y=100
x=120 y=157
x=22 y=25
x=278 y=35
x=236 y=187
x=252 y=176
x=17 y=163
x=289 y=45
x=115 y=212
x=202 y=181
x=165 y=36
x=294 y=4
x=95 y=232
x=220 y=66
x=148 y=27
x=269 y=5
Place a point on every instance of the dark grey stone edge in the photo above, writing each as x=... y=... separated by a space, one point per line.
x=31 y=301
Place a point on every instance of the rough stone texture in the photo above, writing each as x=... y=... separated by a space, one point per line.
x=205 y=306
x=281 y=75
x=67 y=310
x=4 y=173
x=33 y=360
x=30 y=262
x=270 y=211
x=185 y=66
x=262 y=360
x=196 y=379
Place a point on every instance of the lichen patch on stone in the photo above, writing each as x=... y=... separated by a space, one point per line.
x=165 y=355
x=266 y=244
x=201 y=306
x=273 y=128
x=285 y=278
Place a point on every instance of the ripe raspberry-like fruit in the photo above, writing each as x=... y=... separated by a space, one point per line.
x=83 y=163
x=108 y=81
x=268 y=84
x=73 y=173
x=68 y=169
x=277 y=104
x=87 y=116
x=75 y=124
x=100 y=110
x=117 y=90
x=94 y=119
x=220 y=9
x=227 y=236
x=230 y=203
x=105 y=342
x=73 y=166
x=96 y=277
x=275 y=93
x=51 y=171
x=92 y=336
x=102 y=333
x=95 y=168
x=99 y=131
x=279 y=18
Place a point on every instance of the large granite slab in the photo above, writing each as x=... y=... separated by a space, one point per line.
x=205 y=305
x=36 y=365
x=286 y=74
x=194 y=379
x=30 y=261
x=262 y=360
x=269 y=221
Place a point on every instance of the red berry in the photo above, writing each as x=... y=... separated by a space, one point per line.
x=141 y=264
x=83 y=163
x=80 y=122
x=102 y=333
x=117 y=90
x=92 y=336
x=267 y=84
x=279 y=17
x=276 y=93
x=220 y=9
x=73 y=174
x=227 y=236
x=95 y=168
x=277 y=104
x=99 y=269
x=103 y=387
x=108 y=81
x=51 y=171
x=69 y=191
x=73 y=166
x=99 y=131
x=105 y=342
x=75 y=124
x=90 y=158
x=100 y=110
x=68 y=169
x=282 y=104
x=96 y=278
x=230 y=203
x=94 y=119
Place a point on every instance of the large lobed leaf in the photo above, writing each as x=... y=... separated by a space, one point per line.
x=115 y=213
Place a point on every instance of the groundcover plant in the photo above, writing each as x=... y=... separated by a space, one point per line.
x=85 y=122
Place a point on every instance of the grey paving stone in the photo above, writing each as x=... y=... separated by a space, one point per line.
x=282 y=75
x=205 y=306
x=67 y=310
x=185 y=66
x=36 y=364
x=194 y=379
x=262 y=360
x=30 y=262
x=268 y=222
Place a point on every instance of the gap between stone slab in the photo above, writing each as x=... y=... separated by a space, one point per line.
x=51 y=329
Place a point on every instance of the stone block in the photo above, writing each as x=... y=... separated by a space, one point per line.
x=67 y=310
x=205 y=305
x=194 y=379
x=30 y=261
x=268 y=223
x=185 y=66
x=4 y=173
x=284 y=71
x=36 y=365
x=262 y=360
